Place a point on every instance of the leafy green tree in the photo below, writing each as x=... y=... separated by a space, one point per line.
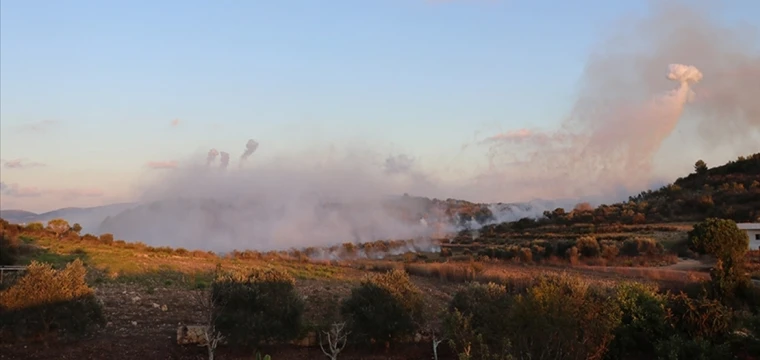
x=729 y=244
x=700 y=167
x=76 y=228
x=721 y=238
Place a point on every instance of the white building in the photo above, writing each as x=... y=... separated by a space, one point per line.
x=753 y=230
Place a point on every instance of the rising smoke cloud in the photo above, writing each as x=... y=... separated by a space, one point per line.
x=225 y=160
x=610 y=141
x=211 y=156
x=635 y=91
x=304 y=200
x=250 y=148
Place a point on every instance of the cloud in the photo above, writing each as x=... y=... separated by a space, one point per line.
x=78 y=193
x=170 y=164
x=175 y=122
x=21 y=164
x=37 y=126
x=14 y=190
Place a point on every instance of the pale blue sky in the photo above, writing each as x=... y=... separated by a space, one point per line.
x=416 y=76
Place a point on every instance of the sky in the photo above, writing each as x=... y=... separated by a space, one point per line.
x=95 y=95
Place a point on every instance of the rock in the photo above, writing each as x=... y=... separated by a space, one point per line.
x=156 y=306
x=109 y=324
x=164 y=307
x=134 y=323
x=135 y=299
x=191 y=334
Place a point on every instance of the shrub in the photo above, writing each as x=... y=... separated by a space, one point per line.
x=46 y=300
x=644 y=322
x=588 y=246
x=701 y=329
x=106 y=239
x=579 y=321
x=9 y=246
x=485 y=305
x=384 y=307
x=610 y=250
x=641 y=246
x=526 y=255
x=261 y=305
x=35 y=227
x=465 y=341
x=89 y=238
x=572 y=254
x=678 y=347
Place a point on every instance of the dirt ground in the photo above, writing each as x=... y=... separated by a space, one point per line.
x=142 y=323
x=142 y=320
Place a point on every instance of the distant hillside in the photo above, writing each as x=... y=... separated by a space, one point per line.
x=17 y=216
x=89 y=218
x=728 y=191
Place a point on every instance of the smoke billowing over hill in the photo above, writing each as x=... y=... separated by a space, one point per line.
x=637 y=88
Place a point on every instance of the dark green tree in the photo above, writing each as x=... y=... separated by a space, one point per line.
x=722 y=239
x=700 y=167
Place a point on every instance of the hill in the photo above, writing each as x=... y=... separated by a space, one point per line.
x=89 y=217
x=730 y=191
x=18 y=216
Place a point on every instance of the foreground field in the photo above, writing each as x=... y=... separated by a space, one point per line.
x=147 y=292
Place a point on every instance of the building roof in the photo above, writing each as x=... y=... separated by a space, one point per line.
x=749 y=226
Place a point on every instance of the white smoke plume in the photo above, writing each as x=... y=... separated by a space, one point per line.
x=225 y=160
x=609 y=144
x=630 y=102
x=212 y=154
x=289 y=202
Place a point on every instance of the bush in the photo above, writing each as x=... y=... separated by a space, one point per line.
x=484 y=305
x=679 y=347
x=46 y=300
x=384 y=307
x=588 y=246
x=639 y=246
x=9 y=245
x=261 y=305
x=718 y=237
x=610 y=250
x=644 y=322
x=701 y=329
x=106 y=239
x=562 y=318
x=35 y=227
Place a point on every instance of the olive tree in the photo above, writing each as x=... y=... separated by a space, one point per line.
x=722 y=239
